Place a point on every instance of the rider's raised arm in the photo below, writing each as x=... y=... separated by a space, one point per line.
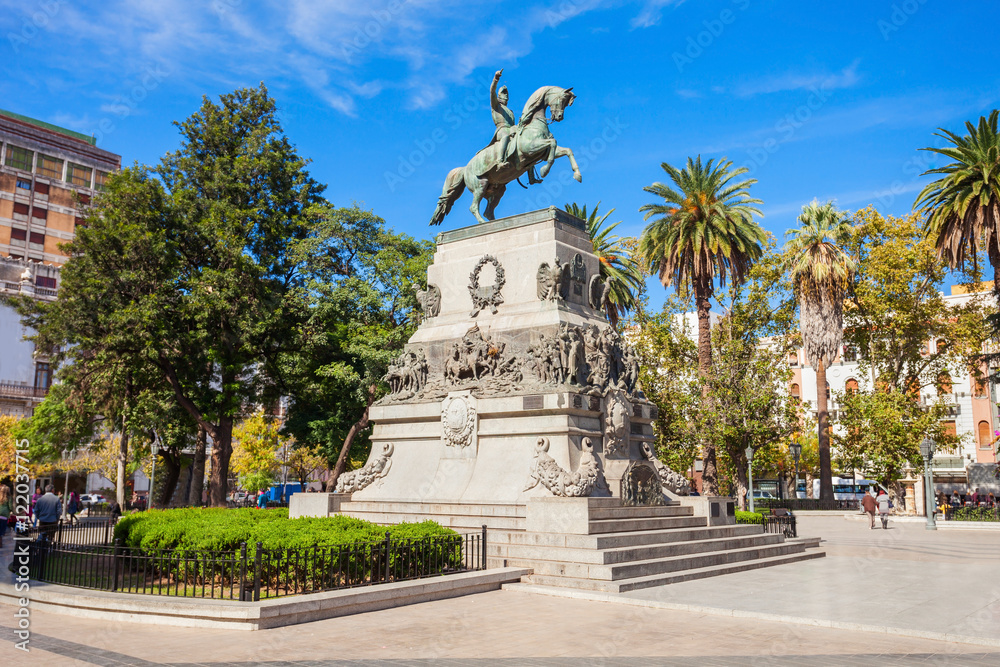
x=494 y=102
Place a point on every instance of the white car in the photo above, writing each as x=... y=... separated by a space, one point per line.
x=89 y=499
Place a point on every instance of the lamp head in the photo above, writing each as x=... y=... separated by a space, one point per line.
x=927 y=448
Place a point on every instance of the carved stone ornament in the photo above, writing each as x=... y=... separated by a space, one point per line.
x=598 y=292
x=458 y=421
x=617 y=412
x=579 y=483
x=429 y=300
x=407 y=374
x=486 y=296
x=376 y=469
x=578 y=275
x=672 y=481
x=641 y=485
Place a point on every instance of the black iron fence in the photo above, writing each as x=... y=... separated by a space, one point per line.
x=778 y=525
x=805 y=504
x=250 y=574
x=247 y=502
x=972 y=513
x=83 y=531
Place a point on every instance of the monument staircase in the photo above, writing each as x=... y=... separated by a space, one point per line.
x=616 y=548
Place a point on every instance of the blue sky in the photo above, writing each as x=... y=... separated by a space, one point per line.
x=824 y=100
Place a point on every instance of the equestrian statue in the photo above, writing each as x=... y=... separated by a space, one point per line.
x=513 y=151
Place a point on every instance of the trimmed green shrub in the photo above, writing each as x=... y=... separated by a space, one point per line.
x=974 y=514
x=749 y=517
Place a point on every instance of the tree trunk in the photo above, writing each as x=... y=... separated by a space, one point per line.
x=120 y=466
x=741 y=486
x=198 y=469
x=222 y=450
x=702 y=298
x=358 y=426
x=173 y=465
x=825 y=467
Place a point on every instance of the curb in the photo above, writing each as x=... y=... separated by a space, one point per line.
x=737 y=613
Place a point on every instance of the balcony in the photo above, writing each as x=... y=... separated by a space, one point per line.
x=21 y=392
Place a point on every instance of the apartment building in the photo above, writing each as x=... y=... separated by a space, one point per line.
x=48 y=176
x=972 y=403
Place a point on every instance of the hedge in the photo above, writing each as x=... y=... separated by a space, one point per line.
x=749 y=517
x=974 y=514
x=218 y=529
x=313 y=552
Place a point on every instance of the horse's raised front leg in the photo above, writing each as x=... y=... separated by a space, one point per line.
x=563 y=151
x=492 y=199
x=544 y=171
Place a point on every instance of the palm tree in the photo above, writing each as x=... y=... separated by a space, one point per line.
x=703 y=230
x=821 y=273
x=963 y=206
x=621 y=273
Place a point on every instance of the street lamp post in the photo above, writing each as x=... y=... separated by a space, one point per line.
x=154 y=448
x=749 y=452
x=796 y=450
x=927 y=451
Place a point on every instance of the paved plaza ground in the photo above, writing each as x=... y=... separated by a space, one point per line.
x=904 y=578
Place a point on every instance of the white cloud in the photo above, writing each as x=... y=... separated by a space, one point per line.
x=652 y=12
x=845 y=78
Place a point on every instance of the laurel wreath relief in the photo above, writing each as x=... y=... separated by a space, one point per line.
x=489 y=295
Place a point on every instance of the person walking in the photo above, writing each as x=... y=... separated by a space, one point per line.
x=868 y=505
x=6 y=508
x=72 y=507
x=884 y=505
x=31 y=509
x=262 y=501
x=48 y=509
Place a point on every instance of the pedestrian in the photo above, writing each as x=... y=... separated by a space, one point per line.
x=72 y=507
x=6 y=508
x=884 y=505
x=48 y=509
x=31 y=510
x=956 y=500
x=262 y=501
x=991 y=500
x=868 y=505
x=116 y=510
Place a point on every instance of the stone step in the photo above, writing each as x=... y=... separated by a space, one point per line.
x=695 y=530
x=599 y=513
x=616 y=502
x=461 y=522
x=656 y=566
x=534 y=552
x=403 y=507
x=601 y=526
x=625 y=585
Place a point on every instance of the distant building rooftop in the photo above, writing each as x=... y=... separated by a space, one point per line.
x=79 y=136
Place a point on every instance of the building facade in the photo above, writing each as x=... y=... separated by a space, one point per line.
x=48 y=176
x=972 y=404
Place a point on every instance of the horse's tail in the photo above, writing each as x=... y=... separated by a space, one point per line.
x=454 y=186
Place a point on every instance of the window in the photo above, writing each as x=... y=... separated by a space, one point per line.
x=20 y=211
x=49 y=166
x=850 y=353
x=39 y=213
x=24 y=185
x=851 y=386
x=13 y=256
x=828 y=391
x=45 y=281
x=942 y=346
x=985 y=436
x=43 y=375
x=42 y=188
x=100 y=178
x=793 y=358
x=795 y=391
x=81 y=222
x=35 y=237
x=943 y=383
x=18 y=234
x=84 y=199
x=19 y=158
x=77 y=174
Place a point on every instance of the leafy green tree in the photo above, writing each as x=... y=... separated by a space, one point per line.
x=621 y=273
x=821 y=271
x=255 y=460
x=702 y=232
x=358 y=292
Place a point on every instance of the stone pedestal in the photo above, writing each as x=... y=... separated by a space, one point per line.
x=720 y=510
x=514 y=387
x=316 y=504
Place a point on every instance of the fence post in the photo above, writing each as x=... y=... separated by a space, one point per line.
x=256 y=574
x=387 y=538
x=115 y=557
x=107 y=530
x=243 y=572
x=483 y=547
x=59 y=533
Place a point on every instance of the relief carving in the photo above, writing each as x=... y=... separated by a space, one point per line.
x=486 y=296
x=376 y=469
x=672 y=481
x=429 y=300
x=581 y=482
x=598 y=292
x=552 y=280
x=616 y=424
x=407 y=375
x=641 y=485
x=458 y=421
